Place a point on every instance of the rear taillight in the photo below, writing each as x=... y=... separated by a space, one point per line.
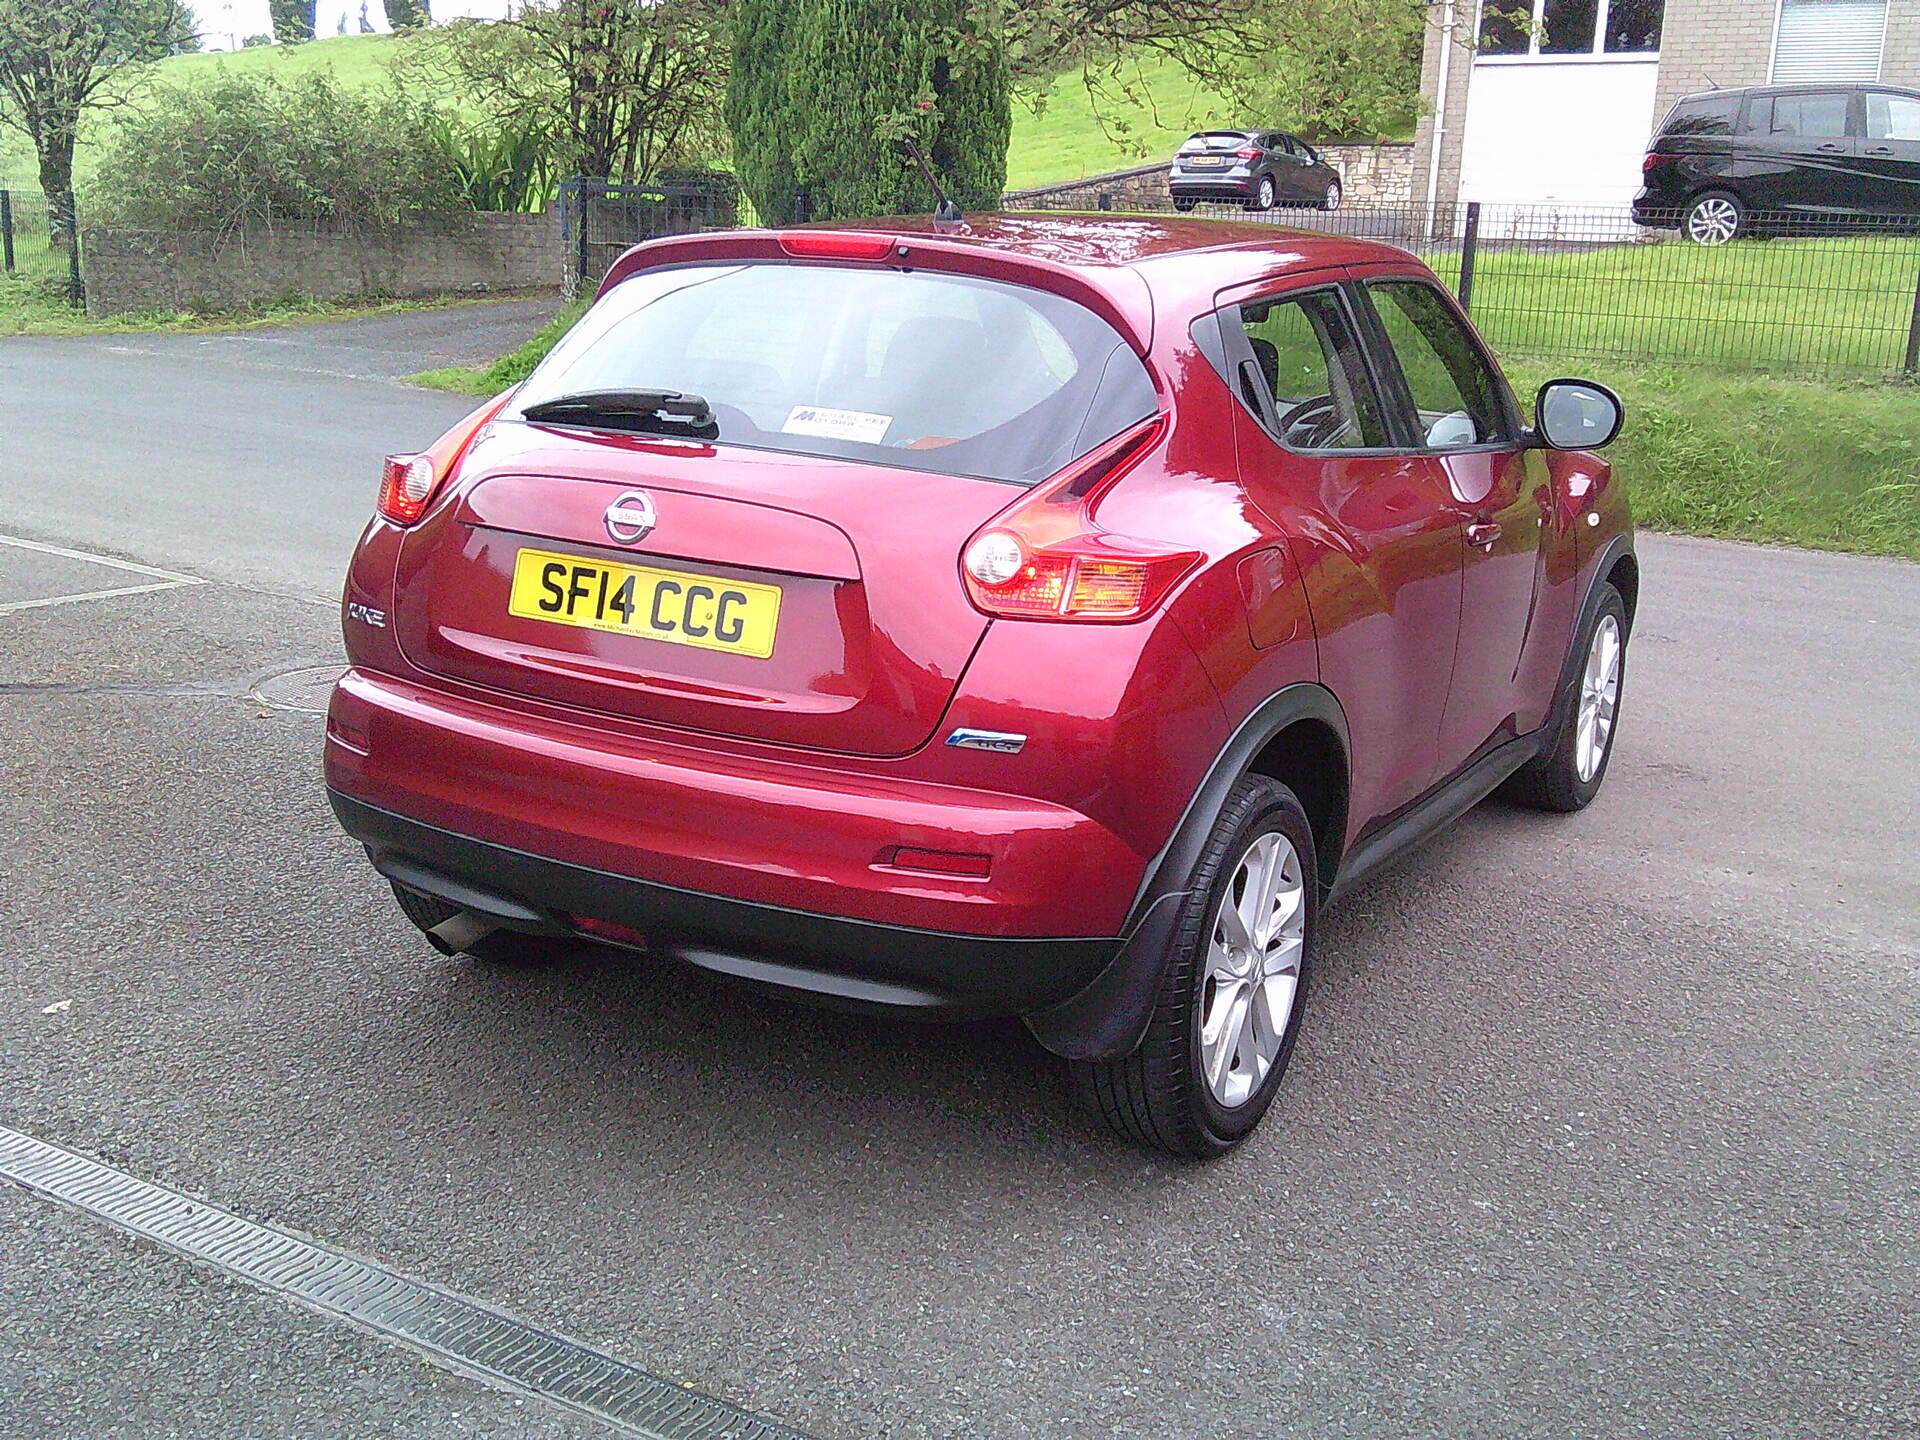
x=1247 y=152
x=409 y=482
x=1046 y=559
x=1655 y=159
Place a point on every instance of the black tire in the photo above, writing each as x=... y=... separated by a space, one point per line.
x=1554 y=782
x=1264 y=194
x=1330 y=200
x=1158 y=1097
x=510 y=948
x=1714 y=217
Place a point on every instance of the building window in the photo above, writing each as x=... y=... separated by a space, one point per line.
x=1829 y=40
x=1572 y=27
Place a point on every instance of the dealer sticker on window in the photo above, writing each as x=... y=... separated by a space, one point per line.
x=855 y=425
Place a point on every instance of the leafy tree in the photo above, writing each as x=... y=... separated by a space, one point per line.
x=292 y=20
x=756 y=106
x=56 y=57
x=1336 y=69
x=407 y=14
x=623 y=86
x=837 y=85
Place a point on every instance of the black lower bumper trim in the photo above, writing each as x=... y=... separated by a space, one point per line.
x=853 y=962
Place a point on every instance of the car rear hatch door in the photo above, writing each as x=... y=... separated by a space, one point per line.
x=776 y=597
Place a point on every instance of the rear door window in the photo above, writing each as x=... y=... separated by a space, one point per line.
x=1457 y=398
x=1307 y=382
x=917 y=369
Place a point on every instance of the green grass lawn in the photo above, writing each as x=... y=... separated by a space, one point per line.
x=1823 y=305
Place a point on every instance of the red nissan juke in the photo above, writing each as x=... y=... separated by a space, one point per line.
x=1046 y=617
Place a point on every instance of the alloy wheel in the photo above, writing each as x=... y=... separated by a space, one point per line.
x=1252 y=972
x=1333 y=196
x=1267 y=193
x=1599 y=699
x=1713 y=221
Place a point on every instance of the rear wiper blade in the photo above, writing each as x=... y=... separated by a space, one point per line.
x=673 y=406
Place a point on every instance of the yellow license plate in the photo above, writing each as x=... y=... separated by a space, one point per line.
x=680 y=609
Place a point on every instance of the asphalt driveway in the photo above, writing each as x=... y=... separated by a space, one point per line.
x=1602 y=1125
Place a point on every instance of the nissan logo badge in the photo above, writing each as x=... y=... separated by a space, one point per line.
x=631 y=517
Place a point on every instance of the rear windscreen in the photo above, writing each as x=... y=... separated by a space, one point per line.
x=913 y=369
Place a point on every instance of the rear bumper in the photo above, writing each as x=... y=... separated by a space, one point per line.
x=1658 y=209
x=1202 y=187
x=852 y=962
x=780 y=862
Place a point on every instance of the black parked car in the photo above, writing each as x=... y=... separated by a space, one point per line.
x=1779 y=158
x=1258 y=168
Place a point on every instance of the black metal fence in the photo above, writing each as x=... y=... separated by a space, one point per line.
x=1795 y=294
x=599 y=219
x=62 y=212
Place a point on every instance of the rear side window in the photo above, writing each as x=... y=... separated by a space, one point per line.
x=1892 y=117
x=1318 y=396
x=1454 y=391
x=919 y=370
x=1709 y=115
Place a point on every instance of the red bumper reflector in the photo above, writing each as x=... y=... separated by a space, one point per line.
x=943 y=862
x=607 y=930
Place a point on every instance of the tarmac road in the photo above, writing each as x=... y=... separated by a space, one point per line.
x=1602 y=1125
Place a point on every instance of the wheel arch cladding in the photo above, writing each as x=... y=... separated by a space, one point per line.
x=1624 y=576
x=1298 y=737
x=1308 y=757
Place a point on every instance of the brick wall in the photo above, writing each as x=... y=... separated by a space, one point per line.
x=1709 y=43
x=1369 y=175
x=129 y=271
x=1900 y=62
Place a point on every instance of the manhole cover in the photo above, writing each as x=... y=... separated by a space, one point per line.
x=303 y=690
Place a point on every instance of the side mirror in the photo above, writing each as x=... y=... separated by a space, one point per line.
x=1577 y=415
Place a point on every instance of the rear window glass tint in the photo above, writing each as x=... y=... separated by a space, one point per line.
x=1715 y=115
x=919 y=370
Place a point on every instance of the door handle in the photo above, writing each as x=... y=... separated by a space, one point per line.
x=1833 y=149
x=1880 y=150
x=1482 y=533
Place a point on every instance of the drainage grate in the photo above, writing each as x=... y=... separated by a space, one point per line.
x=305 y=690
x=462 y=1334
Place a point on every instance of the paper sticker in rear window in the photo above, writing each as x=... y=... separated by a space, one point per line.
x=837 y=424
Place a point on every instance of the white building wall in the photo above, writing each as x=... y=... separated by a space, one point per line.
x=1557 y=132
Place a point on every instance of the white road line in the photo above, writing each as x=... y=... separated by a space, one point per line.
x=163 y=579
x=12 y=605
x=114 y=561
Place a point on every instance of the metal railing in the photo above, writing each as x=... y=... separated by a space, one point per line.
x=1797 y=294
x=599 y=219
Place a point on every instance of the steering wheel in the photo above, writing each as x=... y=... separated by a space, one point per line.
x=1317 y=418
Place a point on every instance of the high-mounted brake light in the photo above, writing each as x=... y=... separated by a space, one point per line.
x=409 y=482
x=1046 y=559
x=835 y=245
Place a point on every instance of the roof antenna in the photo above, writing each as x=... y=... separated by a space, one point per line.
x=946 y=215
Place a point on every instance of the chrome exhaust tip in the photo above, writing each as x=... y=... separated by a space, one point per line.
x=461 y=932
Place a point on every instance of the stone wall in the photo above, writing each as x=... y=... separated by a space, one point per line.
x=1369 y=175
x=428 y=254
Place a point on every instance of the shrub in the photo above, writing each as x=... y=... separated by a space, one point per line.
x=246 y=150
